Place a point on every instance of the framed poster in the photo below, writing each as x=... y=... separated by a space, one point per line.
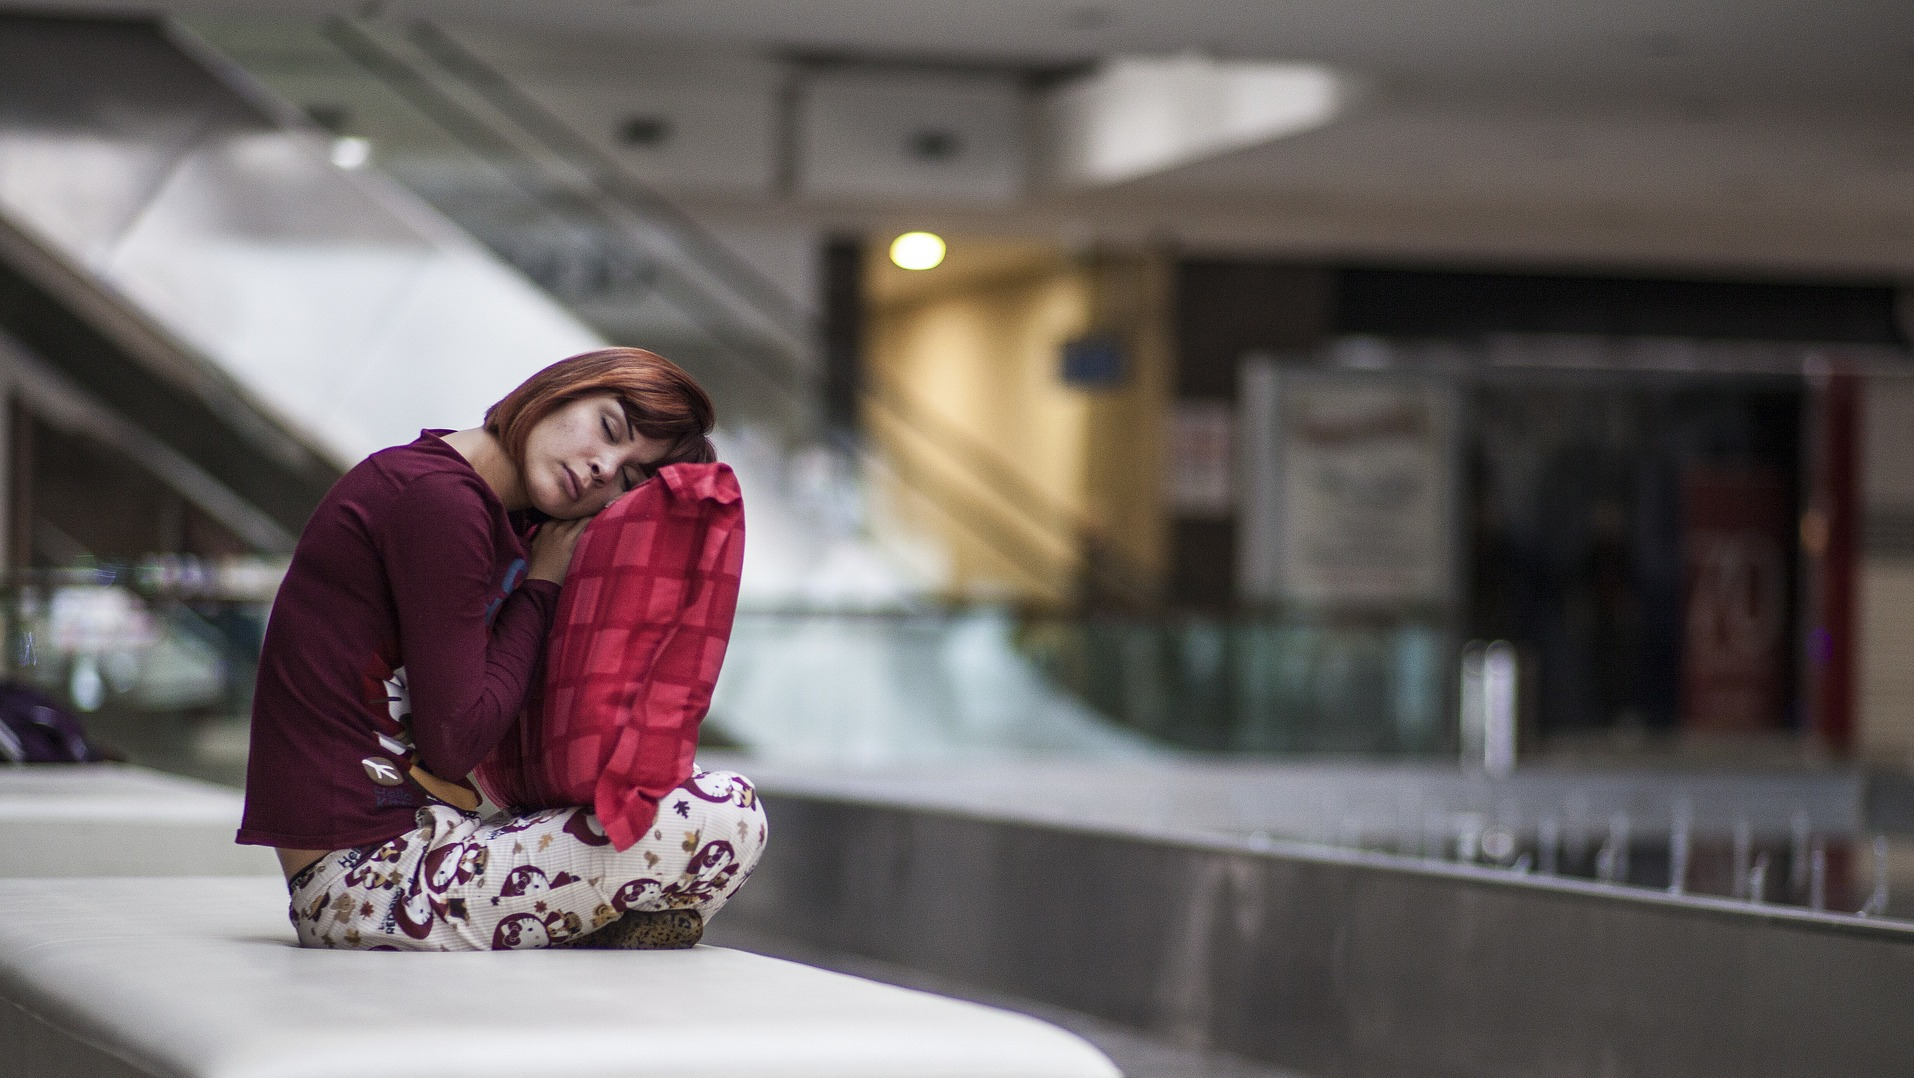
x=1349 y=488
x=1737 y=525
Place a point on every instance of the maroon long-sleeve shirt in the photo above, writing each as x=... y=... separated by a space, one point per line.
x=401 y=634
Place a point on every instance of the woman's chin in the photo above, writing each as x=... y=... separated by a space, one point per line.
x=556 y=507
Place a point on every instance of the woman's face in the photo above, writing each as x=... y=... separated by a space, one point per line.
x=583 y=455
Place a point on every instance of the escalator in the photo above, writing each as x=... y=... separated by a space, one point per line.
x=322 y=309
x=83 y=147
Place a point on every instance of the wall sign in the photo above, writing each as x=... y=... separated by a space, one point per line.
x=1349 y=489
x=1096 y=361
x=1202 y=458
x=1735 y=544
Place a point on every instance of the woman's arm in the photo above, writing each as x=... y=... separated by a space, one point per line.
x=467 y=678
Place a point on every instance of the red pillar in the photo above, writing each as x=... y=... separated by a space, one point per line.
x=1830 y=542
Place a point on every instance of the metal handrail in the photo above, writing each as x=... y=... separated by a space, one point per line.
x=475 y=134
x=608 y=173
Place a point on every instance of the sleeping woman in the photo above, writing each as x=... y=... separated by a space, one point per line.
x=404 y=642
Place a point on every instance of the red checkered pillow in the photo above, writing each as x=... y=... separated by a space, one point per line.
x=635 y=648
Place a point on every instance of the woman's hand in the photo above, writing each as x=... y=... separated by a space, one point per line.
x=552 y=548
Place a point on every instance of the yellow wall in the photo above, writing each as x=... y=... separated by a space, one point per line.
x=968 y=403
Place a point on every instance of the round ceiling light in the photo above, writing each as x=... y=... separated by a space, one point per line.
x=349 y=151
x=917 y=250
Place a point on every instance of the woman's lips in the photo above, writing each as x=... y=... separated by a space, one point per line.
x=572 y=489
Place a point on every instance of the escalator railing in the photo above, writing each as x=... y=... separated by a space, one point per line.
x=313 y=302
x=757 y=294
x=77 y=345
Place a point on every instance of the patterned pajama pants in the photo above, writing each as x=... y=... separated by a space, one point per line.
x=463 y=883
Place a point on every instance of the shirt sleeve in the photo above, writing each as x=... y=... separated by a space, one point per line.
x=468 y=678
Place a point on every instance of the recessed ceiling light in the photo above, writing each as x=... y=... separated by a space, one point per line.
x=349 y=151
x=917 y=251
x=934 y=144
x=645 y=132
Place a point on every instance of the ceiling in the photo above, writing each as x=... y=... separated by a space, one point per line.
x=1764 y=133
x=1853 y=55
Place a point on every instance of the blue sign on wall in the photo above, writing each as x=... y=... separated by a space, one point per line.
x=1097 y=361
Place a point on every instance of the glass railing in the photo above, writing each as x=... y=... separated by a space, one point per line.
x=1263 y=683
x=159 y=657
x=926 y=684
x=156 y=658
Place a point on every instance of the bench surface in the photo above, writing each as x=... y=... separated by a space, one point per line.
x=117 y=820
x=200 y=977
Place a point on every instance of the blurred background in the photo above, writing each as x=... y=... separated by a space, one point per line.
x=1452 y=391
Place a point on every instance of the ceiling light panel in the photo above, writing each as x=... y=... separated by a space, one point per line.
x=1140 y=116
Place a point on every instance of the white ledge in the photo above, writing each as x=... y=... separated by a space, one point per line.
x=200 y=978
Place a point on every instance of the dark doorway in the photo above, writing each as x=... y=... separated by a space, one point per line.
x=1598 y=506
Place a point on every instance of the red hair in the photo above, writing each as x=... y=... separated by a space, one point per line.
x=658 y=397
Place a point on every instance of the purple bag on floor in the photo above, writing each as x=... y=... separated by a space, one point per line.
x=35 y=730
